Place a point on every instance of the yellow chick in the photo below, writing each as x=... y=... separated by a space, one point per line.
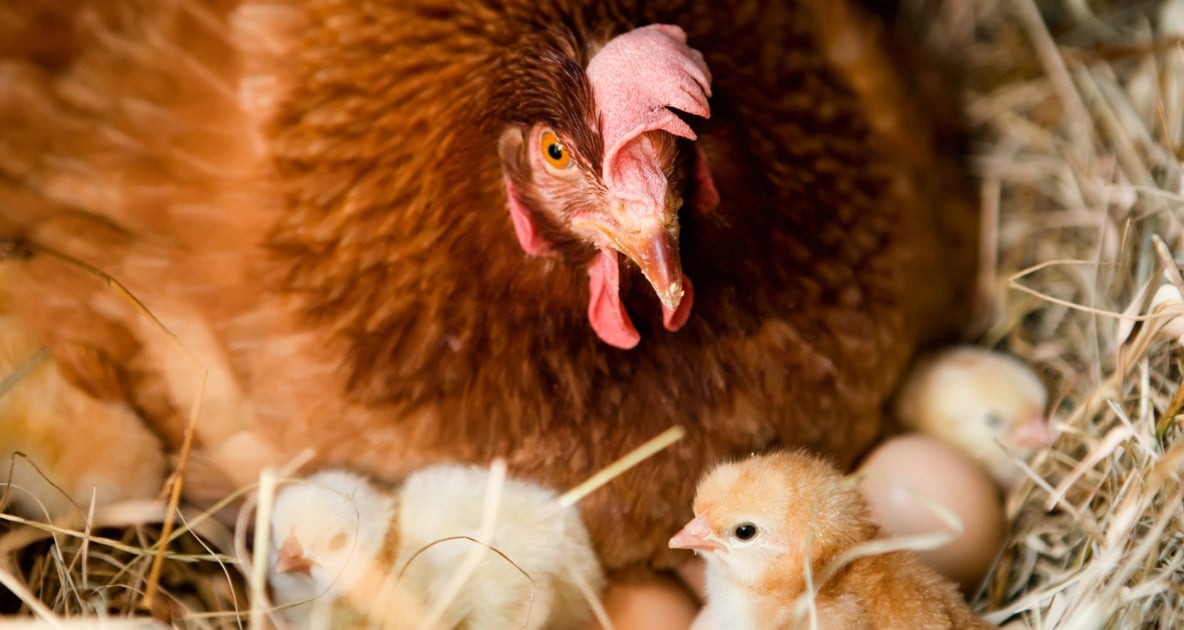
x=329 y=551
x=74 y=444
x=343 y=548
x=768 y=524
x=988 y=404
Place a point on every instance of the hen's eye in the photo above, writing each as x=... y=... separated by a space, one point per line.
x=745 y=531
x=553 y=151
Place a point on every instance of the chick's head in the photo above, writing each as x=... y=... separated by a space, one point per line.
x=328 y=530
x=780 y=510
x=989 y=404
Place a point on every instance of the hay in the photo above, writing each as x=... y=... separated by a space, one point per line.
x=98 y=567
x=1079 y=115
x=1078 y=112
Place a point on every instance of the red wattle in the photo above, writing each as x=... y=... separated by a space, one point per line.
x=605 y=311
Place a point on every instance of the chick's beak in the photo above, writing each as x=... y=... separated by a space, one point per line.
x=291 y=558
x=697 y=536
x=1033 y=432
x=647 y=237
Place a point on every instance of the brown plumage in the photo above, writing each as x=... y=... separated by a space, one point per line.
x=776 y=526
x=313 y=195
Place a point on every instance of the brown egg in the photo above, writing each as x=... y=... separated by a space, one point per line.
x=904 y=468
x=658 y=604
x=693 y=574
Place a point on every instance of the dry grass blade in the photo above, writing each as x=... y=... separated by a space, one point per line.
x=28 y=365
x=629 y=460
x=258 y=576
x=468 y=566
x=30 y=599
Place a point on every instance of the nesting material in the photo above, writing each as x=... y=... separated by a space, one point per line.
x=1079 y=115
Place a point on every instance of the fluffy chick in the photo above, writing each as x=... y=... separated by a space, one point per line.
x=763 y=522
x=328 y=542
x=347 y=553
x=988 y=404
x=75 y=446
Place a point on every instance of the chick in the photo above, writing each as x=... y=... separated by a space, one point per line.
x=75 y=446
x=990 y=405
x=767 y=524
x=346 y=553
x=328 y=538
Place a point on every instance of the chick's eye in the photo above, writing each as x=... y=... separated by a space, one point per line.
x=553 y=150
x=994 y=420
x=745 y=531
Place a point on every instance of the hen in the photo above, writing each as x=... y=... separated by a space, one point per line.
x=409 y=231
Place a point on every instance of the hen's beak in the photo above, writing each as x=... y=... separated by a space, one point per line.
x=649 y=239
x=656 y=253
x=291 y=558
x=1033 y=433
x=697 y=536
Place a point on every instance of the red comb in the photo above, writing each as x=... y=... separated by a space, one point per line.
x=635 y=78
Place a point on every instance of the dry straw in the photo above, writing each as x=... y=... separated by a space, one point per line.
x=1078 y=113
x=1078 y=109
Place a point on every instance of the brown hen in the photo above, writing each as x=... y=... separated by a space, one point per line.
x=406 y=231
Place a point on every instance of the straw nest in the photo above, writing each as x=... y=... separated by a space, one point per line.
x=1078 y=111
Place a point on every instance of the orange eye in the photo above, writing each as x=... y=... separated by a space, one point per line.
x=553 y=151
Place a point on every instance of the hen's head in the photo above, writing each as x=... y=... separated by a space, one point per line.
x=595 y=160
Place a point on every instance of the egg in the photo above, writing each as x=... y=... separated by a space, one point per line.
x=693 y=574
x=903 y=469
x=659 y=604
